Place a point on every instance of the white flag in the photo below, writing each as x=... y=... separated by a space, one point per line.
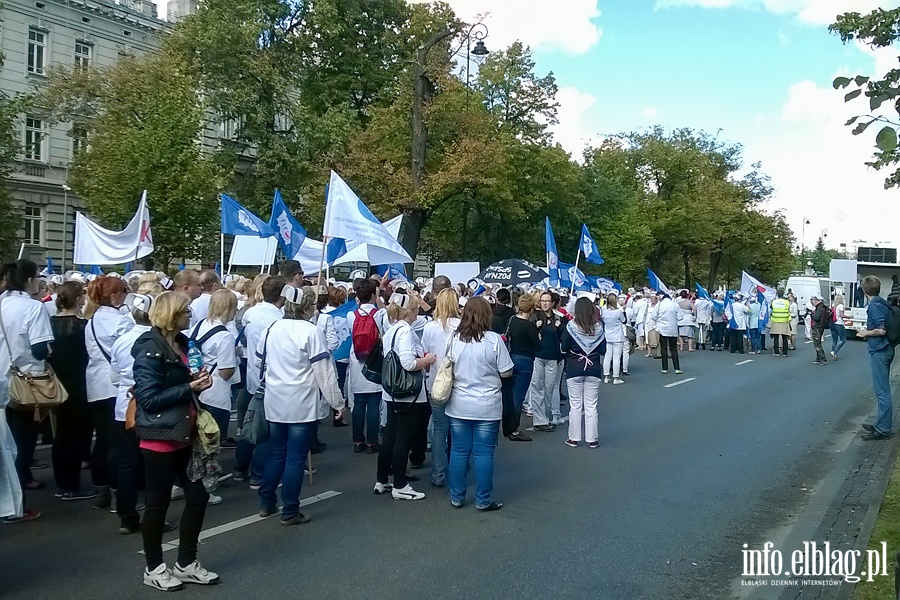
x=95 y=245
x=750 y=285
x=347 y=218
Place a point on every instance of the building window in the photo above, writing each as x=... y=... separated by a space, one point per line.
x=82 y=55
x=37 y=41
x=32 y=225
x=79 y=139
x=34 y=139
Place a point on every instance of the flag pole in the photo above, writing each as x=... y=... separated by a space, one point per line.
x=574 y=275
x=324 y=244
x=221 y=248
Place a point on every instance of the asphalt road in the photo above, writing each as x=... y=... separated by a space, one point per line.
x=683 y=477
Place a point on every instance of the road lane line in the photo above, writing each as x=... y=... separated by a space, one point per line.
x=208 y=533
x=744 y=362
x=679 y=382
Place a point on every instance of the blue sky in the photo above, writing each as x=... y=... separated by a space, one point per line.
x=759 y=70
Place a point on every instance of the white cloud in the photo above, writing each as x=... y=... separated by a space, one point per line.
x=817 y=167
x=568 y=25
x=571 y=131
x=649 y=112
x=812 y=12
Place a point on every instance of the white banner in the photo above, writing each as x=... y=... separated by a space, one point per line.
x=252 y=250
x=95 y=245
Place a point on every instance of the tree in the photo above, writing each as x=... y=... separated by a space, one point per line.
x=143 y=119
x=879 y=29
x=10 y=217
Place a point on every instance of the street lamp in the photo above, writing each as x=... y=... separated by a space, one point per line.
x=478 y=31
x=65 y=219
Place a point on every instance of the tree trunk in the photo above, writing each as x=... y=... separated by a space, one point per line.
x=687 y=269
x=464 y=209
x=715 y=259
x=414 y=220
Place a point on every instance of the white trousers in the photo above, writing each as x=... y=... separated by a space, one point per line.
x=612 y=358
x=583 y=395
x=543 y=382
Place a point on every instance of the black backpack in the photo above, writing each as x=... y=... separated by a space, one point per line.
x=892 y=324
x=199 y=343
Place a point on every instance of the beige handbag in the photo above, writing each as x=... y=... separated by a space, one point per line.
x=443 y=380
x=32 y=391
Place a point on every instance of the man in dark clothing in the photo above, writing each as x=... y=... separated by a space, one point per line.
x=881 y=355
x=503 y=312
x=821 y=320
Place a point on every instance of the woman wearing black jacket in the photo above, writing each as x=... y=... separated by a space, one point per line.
x=545 y=381
x=165 y=424
x=583 y=346
x=522 y=337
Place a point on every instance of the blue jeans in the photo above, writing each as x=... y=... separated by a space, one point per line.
x=881 y=384
x=475 y=439
x=289 y=445
x=755 y=341
x=366 y=417
x=523 y=369
x=252 y=458
x=440 y=432
x=838 y=337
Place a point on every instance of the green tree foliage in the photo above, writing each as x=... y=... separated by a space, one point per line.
x=879 y=29
x=10 y=216
x=143 y=120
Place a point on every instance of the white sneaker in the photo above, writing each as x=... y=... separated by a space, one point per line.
x=195 y=573
x=213 y=500
x=617 y=381
x=177 y=493
x=162 y=578
x=407 y=493
x=606 y=380
x=382 y=488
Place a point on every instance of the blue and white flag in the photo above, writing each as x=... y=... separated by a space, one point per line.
x=605 y=285
x=394 y=271
x=656 y=283
x=237 y=220
x=569 y=275
x=290 y=232
x=343 y=330
x=48 y=270
x=348 y=219
x=763 y=309
x=552 y=256
x=701 y=291
x=589 y=248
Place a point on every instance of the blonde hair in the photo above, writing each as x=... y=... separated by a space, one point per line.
x=222 y=306
x=305 y=308
x=525 y=303
x=838 y=300
x=257 y=295
x=395 y=312
x=446 y=306
x=148 y=283
x=166 y=308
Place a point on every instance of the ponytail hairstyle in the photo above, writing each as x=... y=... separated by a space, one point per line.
x=16 y=275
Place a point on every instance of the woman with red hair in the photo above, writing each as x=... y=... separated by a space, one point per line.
x=106 y=295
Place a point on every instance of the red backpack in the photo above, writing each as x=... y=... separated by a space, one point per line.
x=365 y=334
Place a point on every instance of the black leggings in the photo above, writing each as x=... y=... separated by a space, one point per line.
x=669 y=345
x=25 y=431
x=103 y=415
x=399 y=435
x=73 y=437
x=162 y=470
x=126 y=453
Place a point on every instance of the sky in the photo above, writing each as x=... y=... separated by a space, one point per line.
x=758 y=72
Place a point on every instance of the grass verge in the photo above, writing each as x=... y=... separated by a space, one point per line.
x=887 y=529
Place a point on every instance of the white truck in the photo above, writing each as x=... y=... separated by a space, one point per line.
x=854 y=316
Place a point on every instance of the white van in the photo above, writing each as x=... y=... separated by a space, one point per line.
x=804 y=286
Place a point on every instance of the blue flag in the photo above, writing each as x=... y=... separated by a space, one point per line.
x=656 y=283
x=763 y=309
x=605 y=285
x=49 y=266
x=568 y=275
x=394 y=271
x=181 y=266
x=552 y=256
x=95 y=270
x=340 y=324
x=290 y=232
x=718 y=304
x=217 y=269
x=237 y=220
x=589 y=248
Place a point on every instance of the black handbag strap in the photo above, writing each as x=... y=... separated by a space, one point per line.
x=262 y=357
x=99 y=345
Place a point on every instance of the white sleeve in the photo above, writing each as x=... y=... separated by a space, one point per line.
x=225 y=354
x=331 y=336
x=403 y=346
x=504 y=360
x=38 y=326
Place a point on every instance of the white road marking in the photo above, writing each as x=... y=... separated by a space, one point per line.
x=208 y=533
x=744 y=362
x=679 y=382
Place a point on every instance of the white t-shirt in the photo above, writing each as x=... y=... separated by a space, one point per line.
x=256 y=320
x=740 y=314
x=292 y=394
x=403 y=340
x=25 y=322
x=100 y=332
x=200 y=308
x=666 y=315
x=613 y=324
x=325 y=323
x=476 y=378
x=50 y=305
x=122 y=365
x=218 y=352
x=358 y=383
x=124 y=325
x=839 y=313
x=434 y=341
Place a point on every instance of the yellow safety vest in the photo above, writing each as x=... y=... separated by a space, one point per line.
x=781 y=311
